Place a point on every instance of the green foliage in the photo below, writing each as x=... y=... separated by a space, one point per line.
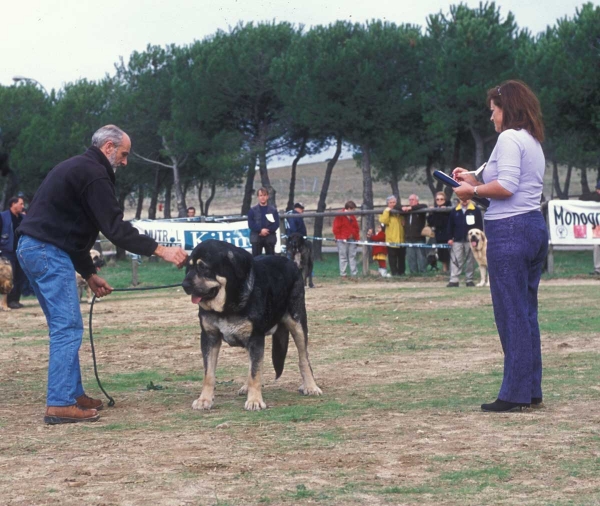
x=402 y=96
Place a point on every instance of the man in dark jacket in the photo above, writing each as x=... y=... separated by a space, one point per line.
x=9 y=221
x=414 y=223
x=75 y=201
x=263 y=222
x=295 y=225
x=463 y=218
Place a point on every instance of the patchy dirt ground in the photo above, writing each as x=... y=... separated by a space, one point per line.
x=403 y=366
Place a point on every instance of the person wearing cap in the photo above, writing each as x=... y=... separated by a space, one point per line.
x=594 y=197
x=295 y=225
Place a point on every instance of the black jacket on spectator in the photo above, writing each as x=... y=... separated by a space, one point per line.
x=413 y=224
x=439 y=221
x=75 y=201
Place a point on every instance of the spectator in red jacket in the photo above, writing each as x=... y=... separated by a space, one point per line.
x=345 y=228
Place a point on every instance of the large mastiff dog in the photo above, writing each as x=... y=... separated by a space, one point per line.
x=241 y=299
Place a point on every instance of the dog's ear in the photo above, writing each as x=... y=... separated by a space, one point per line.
x=241 y=262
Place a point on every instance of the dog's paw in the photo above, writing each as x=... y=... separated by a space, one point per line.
x=243 y=390
x=5 y=308
x=202 y=403
x=480 y=284
x=255 y=404
x=312 y=390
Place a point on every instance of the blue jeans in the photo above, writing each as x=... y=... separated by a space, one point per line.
x=52 y=277
x=516 y=250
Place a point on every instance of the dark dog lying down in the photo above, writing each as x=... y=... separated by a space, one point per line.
x=241 y=299
x=300 y=251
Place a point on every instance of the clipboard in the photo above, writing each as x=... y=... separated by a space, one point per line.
x=448 y=181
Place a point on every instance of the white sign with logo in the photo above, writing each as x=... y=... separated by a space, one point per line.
x=574 y=222
x=188 y=234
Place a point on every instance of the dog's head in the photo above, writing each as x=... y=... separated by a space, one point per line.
x=432 y=259
x=477 y=238
x=97 y=258
x=6 y=276
x=295 y=244
x=219 y=276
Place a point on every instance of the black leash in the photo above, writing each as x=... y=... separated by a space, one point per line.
x=111 y=401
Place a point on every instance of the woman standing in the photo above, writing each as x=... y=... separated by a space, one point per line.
x=394 y=233
x=517 y=238
x=439 y=222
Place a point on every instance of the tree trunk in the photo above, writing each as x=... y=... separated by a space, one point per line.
x=367 y=187
x=10 y=188
x=456 y=151
x=213 y=190
x=568 y=181
x=249 y=188
x=395 y=188
x=154 y=194
x=585 y=186
x=200 y=201
x=318 y=245
x=300 y=154
x=179 y=194
x=562 y=194
x=479 y=152
x=140 y=202
x=264 y=176
x=168 y=190
x=433 y=184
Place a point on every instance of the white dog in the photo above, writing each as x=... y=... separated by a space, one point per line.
x=478 y=242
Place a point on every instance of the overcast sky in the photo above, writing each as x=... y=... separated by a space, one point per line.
x=61 y=41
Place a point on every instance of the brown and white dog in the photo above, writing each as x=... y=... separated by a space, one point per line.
x=6 y=282
x=98 y=260
x=478 y=242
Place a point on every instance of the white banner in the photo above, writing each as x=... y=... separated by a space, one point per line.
x=188 y=234
x=574 y=222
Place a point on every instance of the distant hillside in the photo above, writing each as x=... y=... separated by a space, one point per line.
x=346 y=184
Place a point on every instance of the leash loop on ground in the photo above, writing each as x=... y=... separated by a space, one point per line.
x=111 y=401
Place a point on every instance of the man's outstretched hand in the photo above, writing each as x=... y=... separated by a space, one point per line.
x=175 y=255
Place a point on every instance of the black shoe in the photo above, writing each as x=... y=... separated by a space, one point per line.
x=452 y=285
x=470 y=283
x=499 y=406
x=594 y=273
x=15 y=305
x=537 y=403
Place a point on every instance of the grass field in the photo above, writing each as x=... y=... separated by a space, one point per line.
x=404 y=365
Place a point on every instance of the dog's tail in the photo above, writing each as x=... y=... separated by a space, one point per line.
x=281 y=338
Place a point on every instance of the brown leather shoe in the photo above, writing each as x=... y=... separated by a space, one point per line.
x=69 y=414
x=85 y=402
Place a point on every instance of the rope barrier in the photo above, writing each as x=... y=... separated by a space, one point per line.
x=390 y=244
x=111 y=401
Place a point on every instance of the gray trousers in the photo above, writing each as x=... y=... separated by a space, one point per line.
x=416 y=258
x=347 y=256
x=461 y=256
x=597 y=258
